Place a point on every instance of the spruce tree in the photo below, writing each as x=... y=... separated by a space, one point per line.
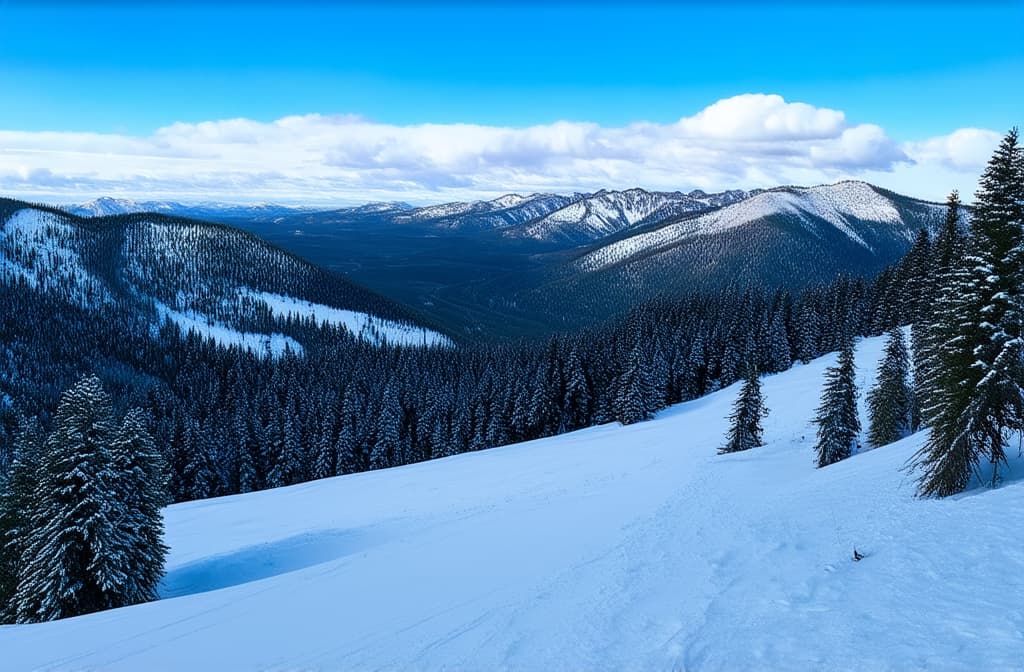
x=890 y=401
x=977 y=395
x=745 y=431
x=836 y=418
x=17 y=492
x=926 y=336
x=142 y=492
x=73 y=562
x=633 y=391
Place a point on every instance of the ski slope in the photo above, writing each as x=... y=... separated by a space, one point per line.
x=609 y=548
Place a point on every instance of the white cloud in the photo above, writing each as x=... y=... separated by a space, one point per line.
x=966 y=149
x=758 y=116
x=751 y=140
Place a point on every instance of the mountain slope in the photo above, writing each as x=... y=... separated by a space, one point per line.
x=499 y=213
x=856 y=209
x=789 y=237
x=609 y=212
x=610 y=548
x=220 y=282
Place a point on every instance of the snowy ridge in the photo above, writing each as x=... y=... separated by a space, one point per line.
x=609 y=212
x=367 y=327
x=106 y=206
x=609 y=548
x=499 y=213
x=184 y=272
x=837 y=204
x=39 y=247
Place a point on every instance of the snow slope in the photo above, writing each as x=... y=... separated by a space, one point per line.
x=273 y=345
x=836 y=204
x=40 y=247
x=367 y=327
x=610 y=548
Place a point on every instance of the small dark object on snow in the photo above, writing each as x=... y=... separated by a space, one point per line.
x=857 y=557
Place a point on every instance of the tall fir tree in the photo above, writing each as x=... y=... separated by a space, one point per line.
x=926 y=337
x=890 y=401
x=745 y=430
x=836 y=418
x=73 y=562
x=977 y=396
x=633 y=390
x=142 y=492
x=17 y=497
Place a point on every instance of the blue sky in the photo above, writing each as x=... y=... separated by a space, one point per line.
x=918 y=71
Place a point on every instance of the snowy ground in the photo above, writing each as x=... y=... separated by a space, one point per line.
x=610 y=548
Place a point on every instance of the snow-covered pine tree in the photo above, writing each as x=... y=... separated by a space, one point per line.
x=576 y=405
x=142 y=492
x=17 y=495
x=745 y=431
x=890 y=401
x=977 y=395
x=947 y=253
x=837 y=420
x=633 y=390
x=72 y=562
x=389 y=426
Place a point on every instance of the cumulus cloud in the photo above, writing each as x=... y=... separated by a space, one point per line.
x=966 y=149
x=751 y=140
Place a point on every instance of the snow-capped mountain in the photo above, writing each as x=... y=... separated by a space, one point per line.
x=609 y=212
x=106 y=206
x=858 y=210
x=499 y=213
x=635 y=547
x=211 y=211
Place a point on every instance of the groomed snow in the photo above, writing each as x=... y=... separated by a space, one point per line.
x=260 y=344
x=373 y=329
x=614 y=547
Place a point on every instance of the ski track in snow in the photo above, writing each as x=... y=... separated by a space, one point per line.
x=609 y=548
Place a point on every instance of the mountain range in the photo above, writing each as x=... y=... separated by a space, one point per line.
x=525 y=265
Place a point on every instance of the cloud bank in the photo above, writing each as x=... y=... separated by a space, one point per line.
x=750 y=140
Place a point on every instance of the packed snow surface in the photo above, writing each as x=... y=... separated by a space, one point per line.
x=609 y=548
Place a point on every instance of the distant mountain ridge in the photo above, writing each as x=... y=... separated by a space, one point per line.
x=106 y=206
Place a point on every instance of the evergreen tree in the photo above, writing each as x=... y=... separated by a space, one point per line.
x=633 y=391
x=73 y=562
x=977 y=395
x=142 y=493
x=926 y=336
x=890 y=401
x=838 y=424
x=745 y=431
x=17 y=492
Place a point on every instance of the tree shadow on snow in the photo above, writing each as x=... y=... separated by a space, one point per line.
x=262 y=561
